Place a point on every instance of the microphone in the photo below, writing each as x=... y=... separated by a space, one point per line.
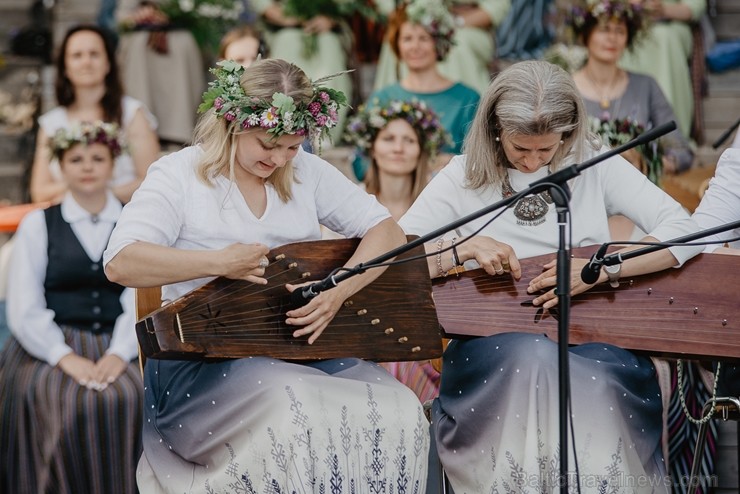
x=590 y=272
x=303 y=294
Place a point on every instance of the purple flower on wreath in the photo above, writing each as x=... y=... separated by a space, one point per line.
x=322 y=120
x=324 y=96
x=230 y=116
x=218 y=103
x=314 y=108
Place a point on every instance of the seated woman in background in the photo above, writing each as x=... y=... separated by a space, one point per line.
x=664 y=52
x=71 y=395
x=243 y=45
x=88 y=89
x=473 y=51
x=608 y=28
x=422 y=38
x=401 y=139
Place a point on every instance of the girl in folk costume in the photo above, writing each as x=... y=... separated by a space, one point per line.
x=71 y=395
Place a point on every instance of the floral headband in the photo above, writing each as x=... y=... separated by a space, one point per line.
x=625 y=10
x=363 y=128
x=279 y=116
x=435 y=17
x=87 y=133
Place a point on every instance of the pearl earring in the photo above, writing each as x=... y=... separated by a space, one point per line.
x=498 y=139
x=562 y=142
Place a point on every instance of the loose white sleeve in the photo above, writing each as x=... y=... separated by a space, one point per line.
x=29 y=319
x=162 y=191
x=721 y=201
x=123 y=342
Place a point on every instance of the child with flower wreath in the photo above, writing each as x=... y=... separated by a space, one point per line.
x=216 y=209
x=72 y=395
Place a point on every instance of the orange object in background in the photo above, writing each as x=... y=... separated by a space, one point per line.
x=11 y=216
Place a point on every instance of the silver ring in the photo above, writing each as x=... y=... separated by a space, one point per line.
x=264 y=262
x=499 y=271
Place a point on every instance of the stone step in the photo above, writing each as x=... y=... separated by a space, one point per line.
x=725 y=18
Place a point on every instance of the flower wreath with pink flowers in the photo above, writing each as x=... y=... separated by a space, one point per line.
x=87 y=133
x=279 y=116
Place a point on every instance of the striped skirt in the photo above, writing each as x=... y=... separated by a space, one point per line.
x=59 y=437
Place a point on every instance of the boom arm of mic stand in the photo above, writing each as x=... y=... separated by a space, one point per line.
x=619 y=257
x=560 y=177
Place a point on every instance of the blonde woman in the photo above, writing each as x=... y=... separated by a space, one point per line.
x=216 y=209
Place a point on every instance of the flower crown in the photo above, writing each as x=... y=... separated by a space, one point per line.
x=435 y=17
x=363 y=128
x=626 y=10
x=279 y=116
x=87 y=133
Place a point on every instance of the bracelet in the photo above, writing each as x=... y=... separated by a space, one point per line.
x=612 y=272
x=455 y=257
x=441 y=271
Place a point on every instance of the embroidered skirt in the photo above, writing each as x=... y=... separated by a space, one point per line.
x=59 y=437
x=261 y=425
x=497 y=426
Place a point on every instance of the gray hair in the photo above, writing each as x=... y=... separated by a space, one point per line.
x=528 y=98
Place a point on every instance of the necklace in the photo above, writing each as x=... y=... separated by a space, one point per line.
x=529 y=210
x=604 y=100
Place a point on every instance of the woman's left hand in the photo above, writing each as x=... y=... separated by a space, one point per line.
x=315 y=315
x=548 y=281
x=107 y=370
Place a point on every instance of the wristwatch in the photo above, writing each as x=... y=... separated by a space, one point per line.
x=612 y=272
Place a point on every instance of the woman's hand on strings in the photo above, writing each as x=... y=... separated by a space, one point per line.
x=547 y=281
x=316 y=314
x=495 y=257
x=244 y=261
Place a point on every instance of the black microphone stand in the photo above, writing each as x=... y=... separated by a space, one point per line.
x=556 y=183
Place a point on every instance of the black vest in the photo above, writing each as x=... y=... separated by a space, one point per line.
x=76 y=287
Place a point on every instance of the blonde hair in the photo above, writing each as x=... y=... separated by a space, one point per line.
x=528 y=98
x=217 y=136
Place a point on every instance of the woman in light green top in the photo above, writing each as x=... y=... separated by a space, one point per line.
x=665 y=50
x=473 y=50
